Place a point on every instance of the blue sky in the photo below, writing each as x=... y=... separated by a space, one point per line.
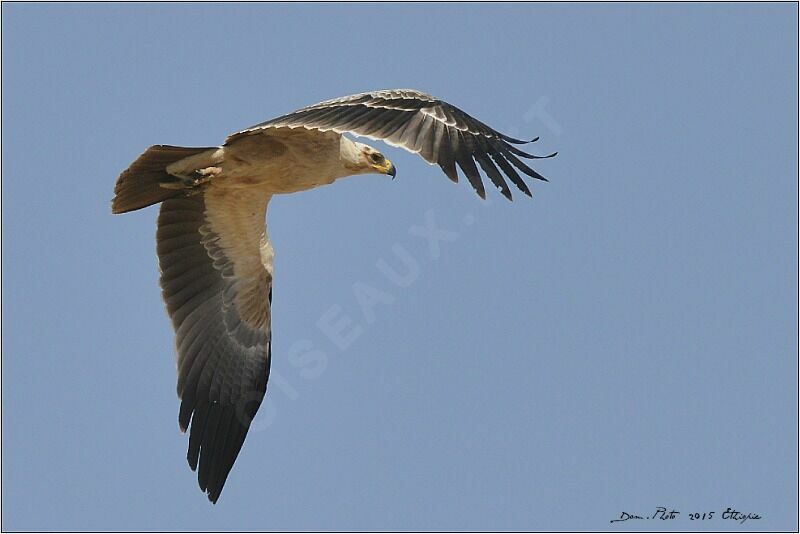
x=626 y=339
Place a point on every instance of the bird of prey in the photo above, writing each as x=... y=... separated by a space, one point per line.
x=215 y=255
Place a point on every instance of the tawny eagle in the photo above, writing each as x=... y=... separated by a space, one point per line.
x=215 y=255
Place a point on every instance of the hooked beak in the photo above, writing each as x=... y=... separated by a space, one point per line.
x=391 y=171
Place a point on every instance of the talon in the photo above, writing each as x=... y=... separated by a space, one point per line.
x=201 y=176
x=208 y=171
x=194 y=180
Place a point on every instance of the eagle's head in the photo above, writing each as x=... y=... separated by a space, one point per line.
x=371 y=161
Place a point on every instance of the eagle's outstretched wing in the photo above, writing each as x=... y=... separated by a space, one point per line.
x=216 y=280
x=439 y=132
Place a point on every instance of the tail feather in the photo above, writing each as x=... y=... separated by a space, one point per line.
x=139 y=185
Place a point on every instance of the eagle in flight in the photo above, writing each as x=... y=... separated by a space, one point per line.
x=215 y=255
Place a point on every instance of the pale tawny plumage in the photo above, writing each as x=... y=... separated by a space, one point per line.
x=214 y=252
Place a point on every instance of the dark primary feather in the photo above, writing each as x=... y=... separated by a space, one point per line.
x=223 y=361
x=439 y=132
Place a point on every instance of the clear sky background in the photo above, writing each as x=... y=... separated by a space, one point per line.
x=624 y=340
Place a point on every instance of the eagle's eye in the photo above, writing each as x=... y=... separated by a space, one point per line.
x=376 y=157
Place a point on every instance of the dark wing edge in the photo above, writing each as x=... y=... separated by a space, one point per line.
x=223 y=355
x=440 y=133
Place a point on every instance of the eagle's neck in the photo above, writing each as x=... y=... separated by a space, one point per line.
x=350 y=159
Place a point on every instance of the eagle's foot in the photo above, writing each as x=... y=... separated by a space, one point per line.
x=194 y=180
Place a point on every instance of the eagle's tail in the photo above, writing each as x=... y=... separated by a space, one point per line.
x=140 y=185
